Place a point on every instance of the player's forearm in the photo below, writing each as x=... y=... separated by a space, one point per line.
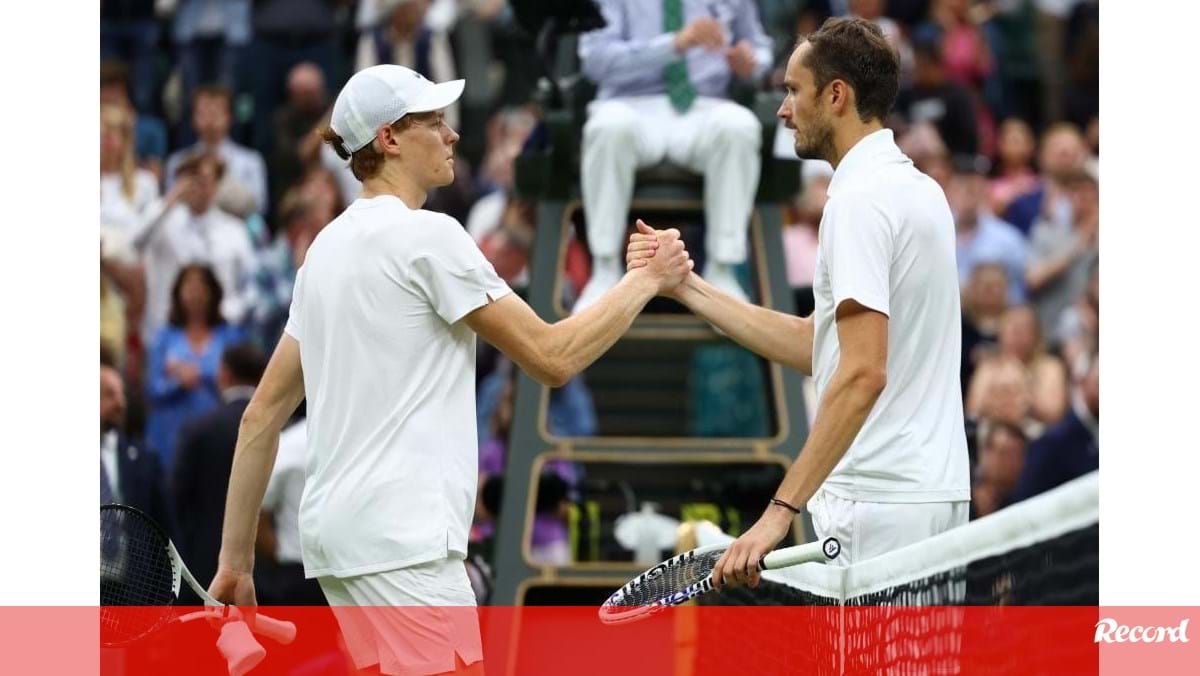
x=777 y=336
x=573 y=344
x=842 y=412
x=258 y=441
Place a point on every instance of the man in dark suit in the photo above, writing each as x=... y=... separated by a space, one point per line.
x=1071 y=448
x=203 y=460
x=128 y=476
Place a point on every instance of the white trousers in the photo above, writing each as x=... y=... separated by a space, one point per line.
x=868 y=529
x=717 y=138
x=409 y=621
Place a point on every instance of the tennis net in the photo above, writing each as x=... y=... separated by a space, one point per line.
x=944 y=605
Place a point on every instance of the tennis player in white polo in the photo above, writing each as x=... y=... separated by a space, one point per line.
x=885 y=463
x=381 y=341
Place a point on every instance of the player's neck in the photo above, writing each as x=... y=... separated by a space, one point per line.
x=392 y=180
x=847 y=135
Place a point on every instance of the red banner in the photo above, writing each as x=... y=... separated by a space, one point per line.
x=687 y=641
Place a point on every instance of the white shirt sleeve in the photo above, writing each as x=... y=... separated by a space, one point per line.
x=857 y=243
x=454 y=275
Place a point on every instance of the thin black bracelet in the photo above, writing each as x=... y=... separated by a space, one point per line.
x=781 y=503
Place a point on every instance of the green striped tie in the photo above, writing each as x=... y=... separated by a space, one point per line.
x=679 y=87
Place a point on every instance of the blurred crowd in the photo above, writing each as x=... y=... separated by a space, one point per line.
x=214 y=182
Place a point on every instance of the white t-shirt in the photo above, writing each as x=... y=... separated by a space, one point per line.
x=887 y=241
x=389 y=374
x=284 y=492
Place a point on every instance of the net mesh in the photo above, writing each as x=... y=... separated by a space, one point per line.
x=136 y=573
x=908 y=611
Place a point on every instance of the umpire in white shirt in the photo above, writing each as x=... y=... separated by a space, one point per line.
x=885 y=464
x=663 y=68
x=381 y=339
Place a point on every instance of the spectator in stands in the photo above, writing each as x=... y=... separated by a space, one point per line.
x=663 y=71
x=1078 y=332
x=1014 y=170
x=149 y=132
x=982 y=236
x=212 y=116
x=1000 y=391
x=1061 y=156
x=800 y=236
x=125 y=190
x=187 y=228
x=1071 y=448
x=200 y=475
x=182 y=382
x=129 y=32
x=409 y=33
x=938 y=100
x=874 y=11
x=985 y=300
x=965 y=52
x=127 y=475
x=923 y=145
x=211 y=37
x=1062 y=254
x=287 y=33
x=126 y=193
x=501 y=226
x=302 y=217
x=1020 y=340
x=113 y=321
x=299 y=116
x=1001 y=459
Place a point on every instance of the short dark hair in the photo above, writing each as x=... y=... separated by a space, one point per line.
x=114 y=74
x=245 y=363
x=856 y=51
x=215 y=295
x=213 y=90
x=192 y=163
x=107 y=358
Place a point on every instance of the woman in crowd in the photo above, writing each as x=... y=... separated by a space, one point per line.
x=1015 y=176
x=184 y=357
x=1020 y=345
x=125 y=190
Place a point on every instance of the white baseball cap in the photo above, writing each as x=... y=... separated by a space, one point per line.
x=381 y=95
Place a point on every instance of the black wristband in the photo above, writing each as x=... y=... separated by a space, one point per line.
x=781 y=503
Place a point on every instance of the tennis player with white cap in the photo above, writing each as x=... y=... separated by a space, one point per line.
x=381 y=341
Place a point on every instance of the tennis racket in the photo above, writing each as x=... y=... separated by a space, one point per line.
x=682 y=578
x=140 y=574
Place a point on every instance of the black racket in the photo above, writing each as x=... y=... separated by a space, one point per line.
x=140 y=574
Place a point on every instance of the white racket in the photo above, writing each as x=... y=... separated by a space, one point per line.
x=686 y=576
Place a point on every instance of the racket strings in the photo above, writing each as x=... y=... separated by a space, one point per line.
x=667 y=578
x=136 y=576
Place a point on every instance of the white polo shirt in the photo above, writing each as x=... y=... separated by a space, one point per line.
x=389 y=374
x=887 y=241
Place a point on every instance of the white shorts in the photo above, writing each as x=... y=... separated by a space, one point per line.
x=868 y=529
x=409 y=621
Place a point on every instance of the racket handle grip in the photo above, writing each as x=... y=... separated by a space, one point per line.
x=280 y=631
x=242 y=653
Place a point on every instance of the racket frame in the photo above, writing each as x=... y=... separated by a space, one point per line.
x=825 y=550
x=278 y=630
